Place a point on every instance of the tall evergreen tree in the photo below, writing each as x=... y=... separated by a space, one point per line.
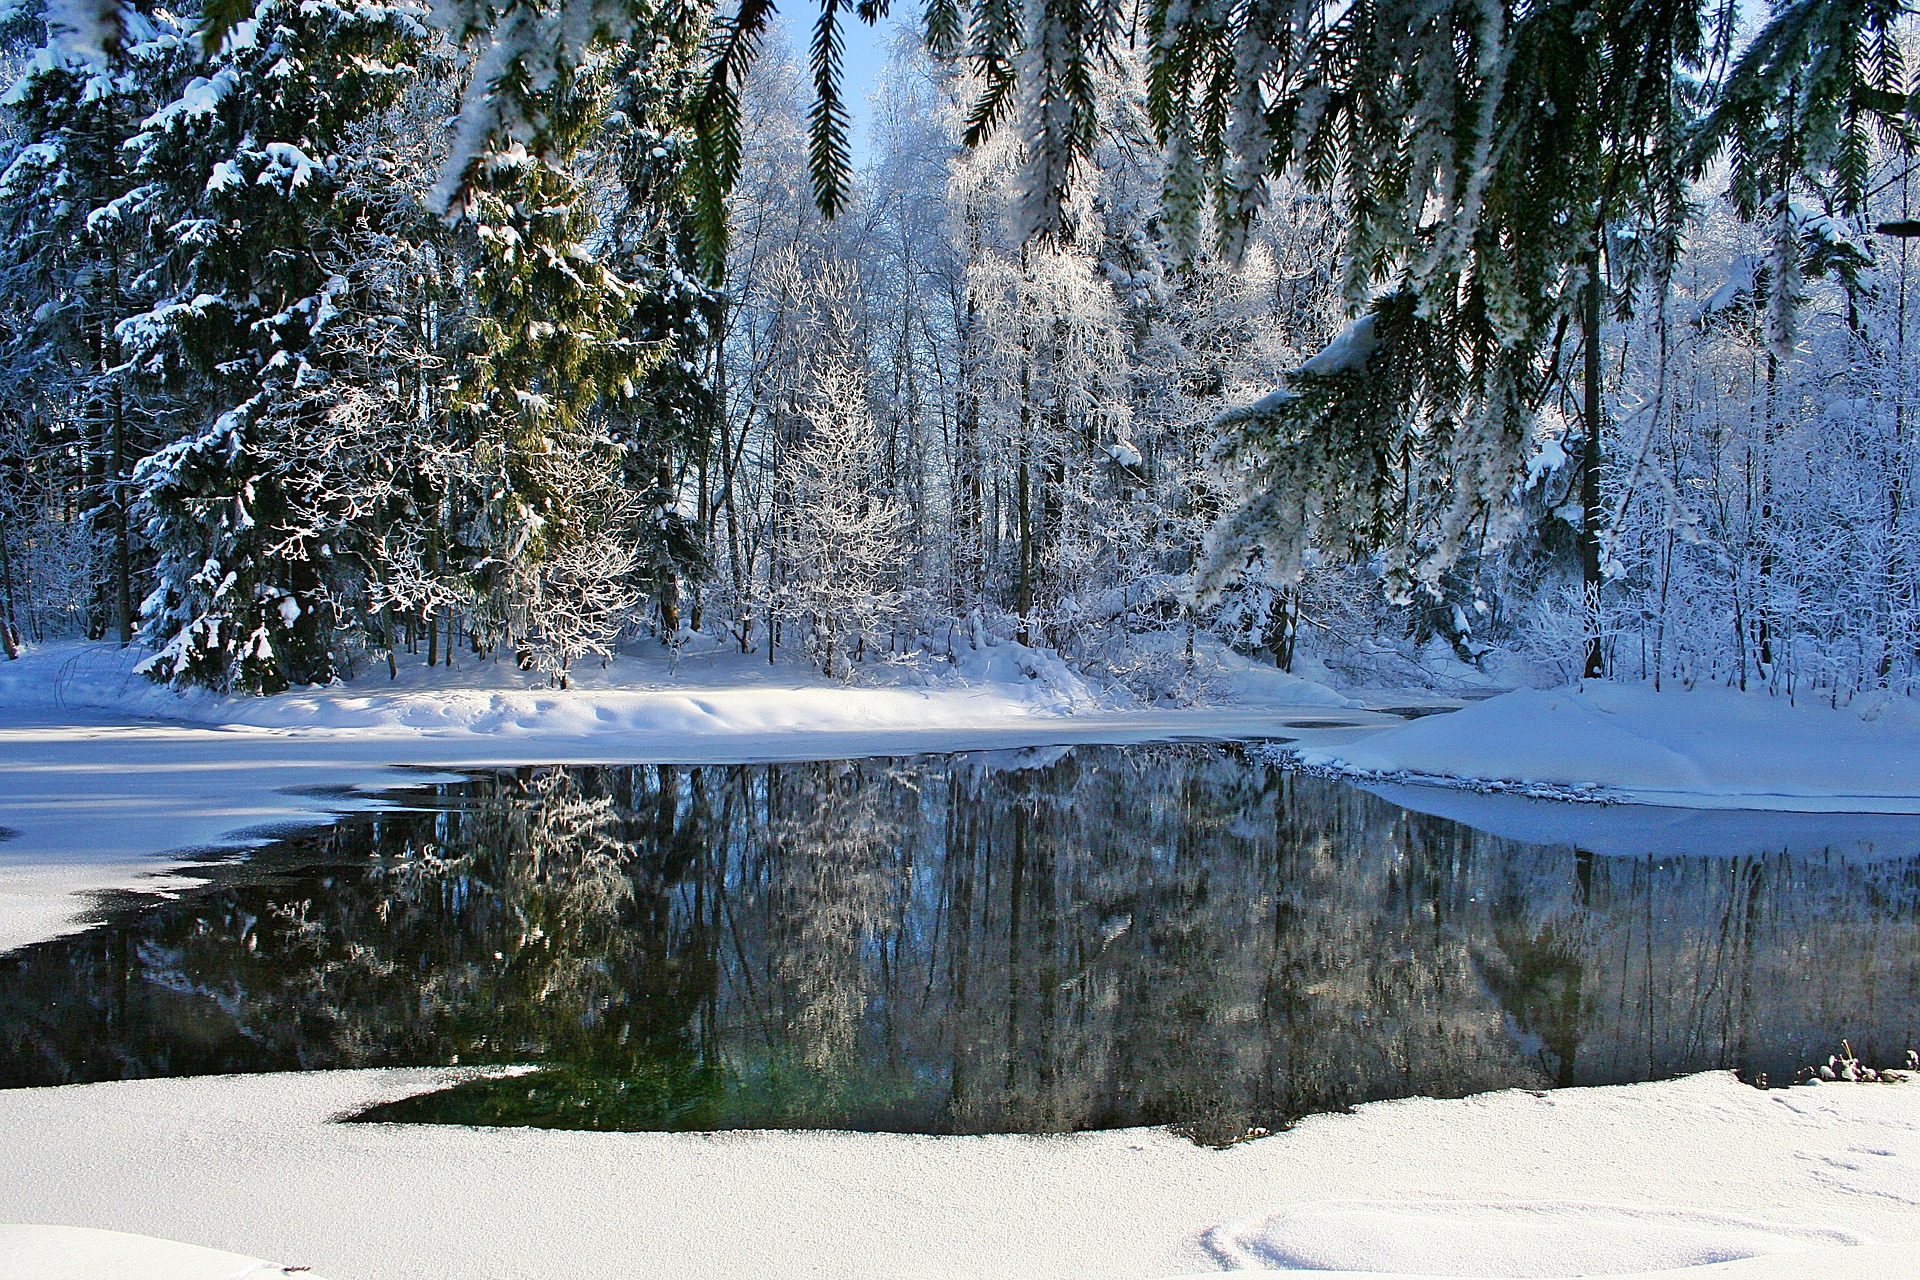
x=548 y=349
x=69 y=261
x=665 y=430
x=240 y=210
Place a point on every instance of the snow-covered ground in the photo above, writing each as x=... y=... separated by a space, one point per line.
x=1640 y=830
x=1695 y=1179
x=46 y=1252
x=107 y=781
x=1701 y=749
x=700 y=694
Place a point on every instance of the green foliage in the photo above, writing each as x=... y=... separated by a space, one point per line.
x=240 y=212
x=348 y=412
x=664 y=427
x=68 y=245
x=579 y=384
x=545 y=346
x=1807 y=103
x=1348 y=458
x=716 y=124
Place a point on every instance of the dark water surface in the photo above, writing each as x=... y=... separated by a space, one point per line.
x=1034 y=941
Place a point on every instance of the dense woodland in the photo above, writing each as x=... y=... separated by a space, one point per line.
x=1376 y=340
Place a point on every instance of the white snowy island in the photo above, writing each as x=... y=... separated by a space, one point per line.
x=105 y=780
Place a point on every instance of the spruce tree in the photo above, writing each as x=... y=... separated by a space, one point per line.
x=68 y=256
x=548 y=350
x=240 y=214
x=665 y=429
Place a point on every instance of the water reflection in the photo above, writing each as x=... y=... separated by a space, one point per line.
x=1034 y=942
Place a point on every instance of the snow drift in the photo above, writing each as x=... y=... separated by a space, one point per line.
x=1703 y=1174
x=1705 y=748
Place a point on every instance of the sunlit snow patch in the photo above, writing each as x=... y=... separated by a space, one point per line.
x=81 y=1253
x=1497 y=1239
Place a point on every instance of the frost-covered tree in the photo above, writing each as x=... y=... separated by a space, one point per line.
x=847 y=550
x=576 y=382
x=238 y=211
x=1045 y=376
x=1489 y=158
x=1761 y=530
x=71 y=269
x=545 y=346
x=372 y=441
x=665 y=431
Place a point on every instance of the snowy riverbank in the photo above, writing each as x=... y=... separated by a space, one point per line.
x=1693 y=1179
x=704 y=693
x=107 y=782
x=1701 y=749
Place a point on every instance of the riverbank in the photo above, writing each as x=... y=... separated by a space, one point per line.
x=699 y=692
x=1624 y=743
x=1695 y=1179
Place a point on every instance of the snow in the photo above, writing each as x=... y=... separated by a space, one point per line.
x=30 y=159
x=225 y=174
x=1349 y=351
x=201 y=97
x=287 y=163
x=88 y=28
x=1703 y=1178
x=1701 y=748
x=109 y=781
x=1643 y=830
x=1547 y=460
x=1741 y=274
x=82 y=1253
x=1464 y=1237
x=703 y=694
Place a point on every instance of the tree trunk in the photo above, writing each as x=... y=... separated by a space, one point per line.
x=122 y=549
x=1023 y=584
x=1282 y=628
x=9 y=629
x=670 y=607
x=1592 y=576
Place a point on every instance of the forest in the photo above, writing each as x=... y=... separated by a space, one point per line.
x=1372 y=340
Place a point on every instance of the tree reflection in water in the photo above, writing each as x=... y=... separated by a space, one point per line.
x=1036 y=941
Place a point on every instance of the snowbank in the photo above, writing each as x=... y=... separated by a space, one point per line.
x=1705 y=748
x=1518 y=1238
x=1695 y=1174
x=80 y=1253
x=700 y=694
x=704 y=694
x=1642 y=830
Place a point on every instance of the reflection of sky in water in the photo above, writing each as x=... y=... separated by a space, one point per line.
x=1024 y=940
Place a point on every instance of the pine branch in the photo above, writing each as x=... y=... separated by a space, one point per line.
x=716 y=123
x=943 y=28
x=829 y=157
